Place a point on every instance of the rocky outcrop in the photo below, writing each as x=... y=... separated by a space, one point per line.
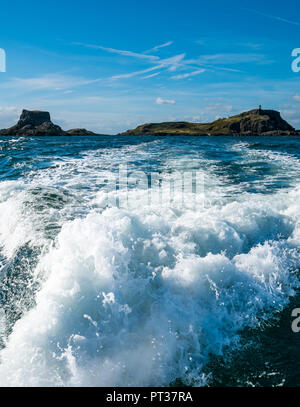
x=257 y=122
x=33 y=123
x=38 y=123
x=33 y=118
x=80 y=132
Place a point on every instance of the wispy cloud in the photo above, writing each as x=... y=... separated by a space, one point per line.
x=231 y=58
x=9 y=115
x=157 y=47
x=215 y=61
x=119 y=51
x=177 y=62
x=170 y=63
x=152 y=75
x=283 y=20
x=132 y=74
x=253 y=45
x=47 y=82
x=173 y=63
x=188 y=75
x=161 y=101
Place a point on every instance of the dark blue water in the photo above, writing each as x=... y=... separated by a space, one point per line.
x=103 y=284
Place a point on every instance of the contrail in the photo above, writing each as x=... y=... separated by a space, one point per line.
x=284 y=20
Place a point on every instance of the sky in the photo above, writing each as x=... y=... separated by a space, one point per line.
x=110 y=66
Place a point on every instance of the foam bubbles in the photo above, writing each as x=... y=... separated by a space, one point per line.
x=130 y=300
x=144 y=296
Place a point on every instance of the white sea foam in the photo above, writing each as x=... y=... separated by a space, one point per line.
x=132 y=299
x=143 y=296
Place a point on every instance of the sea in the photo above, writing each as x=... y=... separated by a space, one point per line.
x=149 y=261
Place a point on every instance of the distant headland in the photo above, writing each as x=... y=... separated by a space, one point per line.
x=256 y=122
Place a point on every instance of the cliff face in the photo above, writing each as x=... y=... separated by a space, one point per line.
x=255 y=122
x=33 y=118
x=33 y=123
x=38 y=123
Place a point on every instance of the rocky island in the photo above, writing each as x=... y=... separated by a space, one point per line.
x=256 y=122
x=38 y=123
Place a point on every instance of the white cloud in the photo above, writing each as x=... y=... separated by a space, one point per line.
x=253 y=45
x=9 y=116
x=47 y=82
x=160 y=101
x=173 y=63
x=296 y=97
x=157 y=47
x=188 y=75
x=231 y=58
x=151 y=76
x=120 y=52
x=132 y=74
x=284 y=20
x=169 y=63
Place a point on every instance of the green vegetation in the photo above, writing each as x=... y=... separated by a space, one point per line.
x=253 y=122
x=80 y=132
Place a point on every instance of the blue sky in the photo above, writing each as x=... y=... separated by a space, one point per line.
x=109 y=66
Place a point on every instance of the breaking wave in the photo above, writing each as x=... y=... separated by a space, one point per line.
x=107 y=296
